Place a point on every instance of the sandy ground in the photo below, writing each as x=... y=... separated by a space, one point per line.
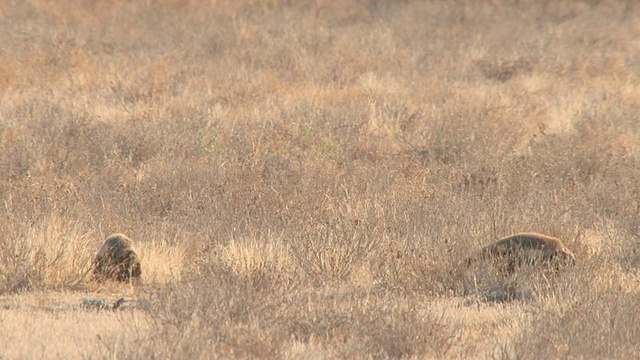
x=69 y=325
x=85 y=325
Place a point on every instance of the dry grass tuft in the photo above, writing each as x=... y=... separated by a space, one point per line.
x=50 y=254
x=162 y=263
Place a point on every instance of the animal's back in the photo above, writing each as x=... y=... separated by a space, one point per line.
x=114 y=242
x=531 y=248
x=524 y=241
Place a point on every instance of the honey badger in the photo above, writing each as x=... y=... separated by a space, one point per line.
x=117 y=260
x=527 y=248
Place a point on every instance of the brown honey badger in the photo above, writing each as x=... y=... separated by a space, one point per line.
x=527 y=248
x=117 y=260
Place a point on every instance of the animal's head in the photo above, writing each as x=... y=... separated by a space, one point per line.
x=129 y=266
x=568 y=257
x=563 y=257
x=136 y=269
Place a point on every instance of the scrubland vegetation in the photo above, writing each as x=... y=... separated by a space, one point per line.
x=305 y=178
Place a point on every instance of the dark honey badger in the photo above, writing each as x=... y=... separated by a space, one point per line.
x=117 y=260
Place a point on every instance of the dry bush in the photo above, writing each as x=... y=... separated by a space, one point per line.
x=330 y=251
x=226 y=317
x=262 y=262
x=49 y=254
x=578 y=321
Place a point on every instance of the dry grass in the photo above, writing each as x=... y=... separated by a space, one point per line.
x=304 y=178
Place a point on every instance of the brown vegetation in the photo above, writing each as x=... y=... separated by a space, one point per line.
x=304 y=177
